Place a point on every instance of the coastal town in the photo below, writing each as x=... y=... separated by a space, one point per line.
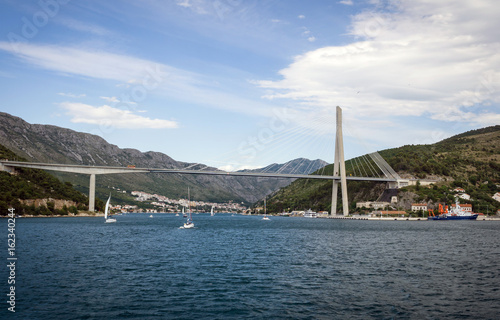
x=164 y=204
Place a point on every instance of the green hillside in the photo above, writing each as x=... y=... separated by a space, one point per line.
x=470 y=160
x=35 y=184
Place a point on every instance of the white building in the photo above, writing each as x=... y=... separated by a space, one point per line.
x=464 y=196
x=371 y=204
x=419 y=207
x=496 y=196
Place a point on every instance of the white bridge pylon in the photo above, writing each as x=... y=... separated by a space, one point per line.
x=339 y=173
x=339 y=164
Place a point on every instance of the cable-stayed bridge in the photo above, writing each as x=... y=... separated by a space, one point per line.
x=372 y=168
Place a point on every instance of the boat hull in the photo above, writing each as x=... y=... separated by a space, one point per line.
x=471 y=217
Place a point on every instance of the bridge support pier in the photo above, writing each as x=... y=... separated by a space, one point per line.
x=339 y=165
x=92 y=193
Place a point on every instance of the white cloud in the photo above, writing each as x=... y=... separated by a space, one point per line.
x=198 y=6
x=233 y=167
x=184 y=3
x=71 y=95
x=347 y=2
x=307 y=33
x=111 y=99
x=438 y=60
x=112 y=117
x=84 y=27
x=301 y=16
x=136 y=76
x=98 y=64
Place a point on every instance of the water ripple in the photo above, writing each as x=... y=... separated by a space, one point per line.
x=241 y=268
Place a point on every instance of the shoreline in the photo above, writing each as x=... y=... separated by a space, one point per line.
x=101 y=214
x=485 y=218
x=358 y=217
x=60 y=216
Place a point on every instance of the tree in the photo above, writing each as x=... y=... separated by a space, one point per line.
x=73 y=210
x=51 y=206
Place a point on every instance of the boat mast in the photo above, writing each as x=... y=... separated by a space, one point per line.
x=189 y=205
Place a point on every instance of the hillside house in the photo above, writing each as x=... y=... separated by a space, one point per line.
x=418 y=207
x=496 y=196
x=464 y=196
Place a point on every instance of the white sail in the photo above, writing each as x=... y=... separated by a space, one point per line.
x=106 y=219
x=189 y=223
x=265 y=211
x=107 y=208
x=212 y=211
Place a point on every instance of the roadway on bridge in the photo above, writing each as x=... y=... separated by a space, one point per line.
x=84 y=169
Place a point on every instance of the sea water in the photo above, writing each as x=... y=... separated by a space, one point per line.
x=241 y=267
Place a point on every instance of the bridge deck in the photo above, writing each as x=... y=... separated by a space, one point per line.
x=110 y=170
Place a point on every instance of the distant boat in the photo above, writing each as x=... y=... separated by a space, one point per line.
x=265 y=211
x=183 y=213
x=189 y=223
x=106 y=219
x=310 y=214
x=151 y=216
x=212 y=211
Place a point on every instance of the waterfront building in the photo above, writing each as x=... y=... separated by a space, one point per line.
x=419 y=207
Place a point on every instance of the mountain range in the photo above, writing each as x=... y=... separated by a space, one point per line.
x=52 y=144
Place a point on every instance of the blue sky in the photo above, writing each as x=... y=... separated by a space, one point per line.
x=242 y=84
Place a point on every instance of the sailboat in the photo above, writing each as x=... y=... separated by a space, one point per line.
x=106 y=219
x=183 y=213
x=265 y=213
x=212 y=211
x=189 y=223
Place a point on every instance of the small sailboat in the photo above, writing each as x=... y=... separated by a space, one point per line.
x=184 y=215
x=106 y=219
x=189 y=223
x=265 y=213
x=212 y=211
